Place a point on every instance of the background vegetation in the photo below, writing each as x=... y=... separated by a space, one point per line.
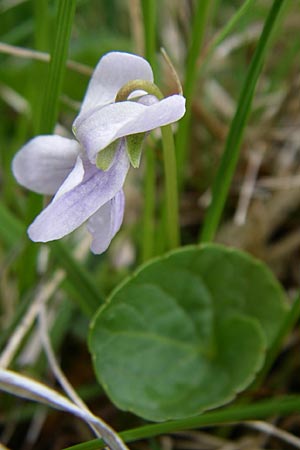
x=211 y=45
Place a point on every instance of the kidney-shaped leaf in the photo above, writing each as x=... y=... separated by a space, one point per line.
x=186 y=332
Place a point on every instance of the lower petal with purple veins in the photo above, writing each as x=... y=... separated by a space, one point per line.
x=77 y=205
x=74 y=179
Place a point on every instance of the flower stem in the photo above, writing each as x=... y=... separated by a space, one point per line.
x=147 y=246
x=172 y=229
x=170 y=168
x=149 y=9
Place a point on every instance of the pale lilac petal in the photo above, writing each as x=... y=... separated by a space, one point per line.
x=113 y=71
x=106 y=222
x=74 y=207
x=136 y=94
x=75 y=177
x=101 y=126
x=44 y=163
x=147 y=100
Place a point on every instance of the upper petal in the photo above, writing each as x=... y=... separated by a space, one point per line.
x=71 y=209
x=111 y=73
x=99 y=127
x=44 y=162
x=106 y=222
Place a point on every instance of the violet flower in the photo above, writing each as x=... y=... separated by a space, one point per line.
x=86 y=175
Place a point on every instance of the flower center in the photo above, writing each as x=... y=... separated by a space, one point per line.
x=135 y=85
x=133 y=142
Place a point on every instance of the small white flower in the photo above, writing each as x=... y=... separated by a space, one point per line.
x=66 y=168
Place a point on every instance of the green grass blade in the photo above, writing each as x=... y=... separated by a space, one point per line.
x=39 y=70
x=149 y=8
x=259 y=410
x=196 y=40
x=65 y=16
x=42 y=35
x=233 y=143
x=224 y=32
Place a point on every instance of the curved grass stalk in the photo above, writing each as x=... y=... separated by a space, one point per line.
x=233 y=143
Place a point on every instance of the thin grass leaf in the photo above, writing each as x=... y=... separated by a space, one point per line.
x=42 y=35
x=28 y=388
x=233 y=143
x=39 y=70
x=149 y=15
x=224 y=32
x=259 y=410
x=65 y=16
x=196 y=40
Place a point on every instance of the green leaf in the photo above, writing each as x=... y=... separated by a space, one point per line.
x=134 y=144
x=187 y=332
